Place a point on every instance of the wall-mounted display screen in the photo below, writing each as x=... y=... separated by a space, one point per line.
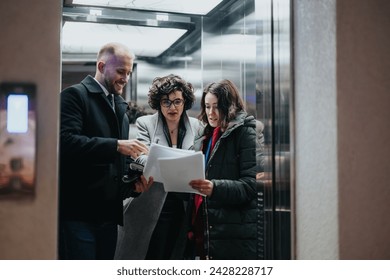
x=17 y=113
x=17 y=140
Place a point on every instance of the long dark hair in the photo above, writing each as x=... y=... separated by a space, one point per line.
x=229 y=102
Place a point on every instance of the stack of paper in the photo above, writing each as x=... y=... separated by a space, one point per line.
x=175 y=168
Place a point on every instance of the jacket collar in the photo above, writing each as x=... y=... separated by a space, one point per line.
x=188 y=140
x=93 y=87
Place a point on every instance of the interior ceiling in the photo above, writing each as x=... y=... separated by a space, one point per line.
x=199 y=7
x=152 y=29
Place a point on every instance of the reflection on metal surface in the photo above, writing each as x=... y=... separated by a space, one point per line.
x=273 y=107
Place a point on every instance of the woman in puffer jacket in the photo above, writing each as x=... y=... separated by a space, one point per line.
x=223 y=220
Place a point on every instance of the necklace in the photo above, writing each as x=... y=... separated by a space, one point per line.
x=173 y=130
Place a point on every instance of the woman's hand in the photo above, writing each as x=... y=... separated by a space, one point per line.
x=202 y=186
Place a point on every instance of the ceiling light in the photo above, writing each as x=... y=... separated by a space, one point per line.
x=95 y=12
x=81 y=37
x=198 y=7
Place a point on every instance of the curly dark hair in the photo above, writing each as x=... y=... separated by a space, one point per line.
x=163 y=86
x=229 y=101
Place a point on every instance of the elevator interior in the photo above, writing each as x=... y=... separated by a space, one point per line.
x=247 y=41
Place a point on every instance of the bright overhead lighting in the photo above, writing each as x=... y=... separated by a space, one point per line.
x=198 y=7
x=162 y=17
x=95 y=12
x=79 y=37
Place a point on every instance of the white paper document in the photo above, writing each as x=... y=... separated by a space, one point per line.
x=175 y=168
x=178 y=172
x=157 y=151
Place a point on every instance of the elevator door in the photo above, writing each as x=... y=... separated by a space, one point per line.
x=274 y=109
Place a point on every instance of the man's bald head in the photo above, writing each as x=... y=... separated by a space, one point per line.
x=114 y=66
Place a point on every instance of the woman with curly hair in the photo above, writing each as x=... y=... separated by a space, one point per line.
x=154 y=225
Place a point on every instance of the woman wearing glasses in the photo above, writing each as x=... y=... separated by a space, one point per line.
x=154 y=225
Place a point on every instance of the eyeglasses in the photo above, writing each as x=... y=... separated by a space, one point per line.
x=167 y=103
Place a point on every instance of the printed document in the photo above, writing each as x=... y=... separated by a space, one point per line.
x=175 y=168
x=178 y=172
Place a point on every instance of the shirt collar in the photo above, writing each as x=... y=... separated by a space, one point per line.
x=103 y=88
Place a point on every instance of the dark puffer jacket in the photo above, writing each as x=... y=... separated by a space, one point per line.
x=230 y=212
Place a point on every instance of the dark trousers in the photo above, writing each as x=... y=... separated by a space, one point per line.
x=165 y=234
x=87 y=241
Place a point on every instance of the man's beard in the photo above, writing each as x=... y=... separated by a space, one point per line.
x=110 y=87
